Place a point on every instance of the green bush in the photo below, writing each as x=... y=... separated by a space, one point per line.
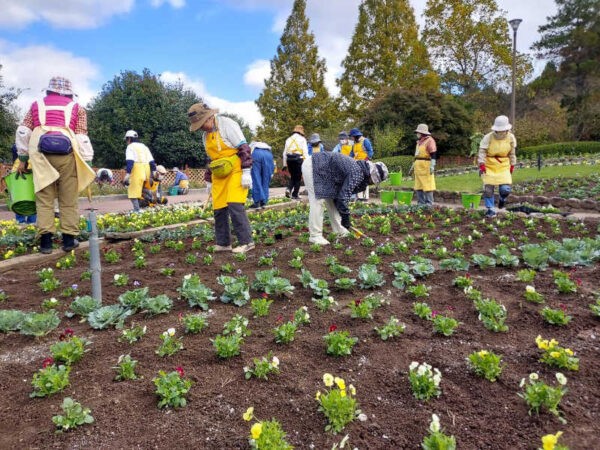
x=559 y=149
x=398 y=163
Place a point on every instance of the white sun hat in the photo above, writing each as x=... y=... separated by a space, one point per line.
x=501 y=123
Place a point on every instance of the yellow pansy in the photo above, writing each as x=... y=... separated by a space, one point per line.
x=352 y=389
x=555 y=354
x=249 y=414
x=553 y=343
x=568 y=351
x=342 y=393
x=340 y=383
x=483 y=353
x=256 y=430
x=328 y=379
x=549 y=441
x=318 y=395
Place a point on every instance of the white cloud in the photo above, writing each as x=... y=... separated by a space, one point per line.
x=257 y=72
x=30 y=69
x=77 y=14
x=247 y=109
x=174 y=3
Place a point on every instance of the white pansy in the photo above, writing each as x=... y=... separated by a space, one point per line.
x=434 y=426
x=413 y=365
x=533 y=376
x=437 y=379
x=275 y=361
x=530 y=289
x=562 y=380
x=171 y=331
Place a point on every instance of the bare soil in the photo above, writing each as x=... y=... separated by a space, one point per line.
x=480 y=414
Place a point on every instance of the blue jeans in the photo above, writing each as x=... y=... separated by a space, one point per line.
x=26 y=219
x=262 y=170
x=488 y=194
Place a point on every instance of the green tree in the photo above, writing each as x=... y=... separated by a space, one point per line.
x=8 y=119
x=157 y=111
x=295 y=93
x=449 y=121
x=470 y=44
x=572 y=38
x=385 y=51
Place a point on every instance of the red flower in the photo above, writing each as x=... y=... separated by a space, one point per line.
x=332 y=328
x=180 y=371
x=264 y=295
x=47 y=362
x=180 y=317
x=357 y=302
x=434 y=313
x=69 y=332
x=280 y=319
x=467 y=275
x=563 y=306
x=450 y=308
x=578 y=281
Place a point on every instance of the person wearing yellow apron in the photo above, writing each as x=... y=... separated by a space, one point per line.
x=344 y=147
x=497 y=159
x=424 y=166
x=314 y=144
x=140 y=168
x=228 y=176
x=362 y=150
x=294 y=154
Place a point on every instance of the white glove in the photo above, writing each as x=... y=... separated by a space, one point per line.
x=246 y=179
x=208 y=188
x=432 y=166
x=126 y=179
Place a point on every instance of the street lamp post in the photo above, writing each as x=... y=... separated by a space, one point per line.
x=514 y=23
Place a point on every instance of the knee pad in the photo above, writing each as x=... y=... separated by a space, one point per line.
x=505 y=190
x=488 y=190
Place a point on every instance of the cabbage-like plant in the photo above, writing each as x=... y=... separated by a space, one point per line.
x=369 y=277
x=11 y=319
x=83 y=306
x=161 y=304
x=39 y=324
x=108 y=316
x=235 y=291
x=133 y=299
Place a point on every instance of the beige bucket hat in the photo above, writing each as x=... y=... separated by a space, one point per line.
x=198 y=114
x=423 y=129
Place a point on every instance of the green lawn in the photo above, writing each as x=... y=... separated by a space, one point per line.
x=472 y=183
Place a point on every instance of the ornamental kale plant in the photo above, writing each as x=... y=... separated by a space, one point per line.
x=337 y=403
x=424 y=381
x=82 y=306
x=392 y=328
x=437 y=440
x=125 y=368
x=39 y=324
x=161 y=304
x=455 y=264
x=486 y=364
x=11 y=319
x=235 y=291
x=369 y=277
x=263 y=367
x=171 y=388
x=535 y=256
x=263 y=278
x=504 y=257
x=108 y=315
x=133 y=299
x=339 y=343
x=196 y=293
x=50 y=379
x=74 y=415
x=421 y=267
x=483 y=261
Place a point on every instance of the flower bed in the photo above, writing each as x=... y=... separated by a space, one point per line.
x=418 y=258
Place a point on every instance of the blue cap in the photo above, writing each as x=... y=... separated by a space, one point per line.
x=355 y=132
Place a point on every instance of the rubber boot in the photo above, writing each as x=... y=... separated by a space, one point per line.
x=46 y=243
x=69 y=242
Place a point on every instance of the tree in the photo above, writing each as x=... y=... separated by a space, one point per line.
x=572 y=38
x=8 y=120
x=469 y=41
x=295 y=93
x=157 y=111
x=385 y=52
x=449 y=121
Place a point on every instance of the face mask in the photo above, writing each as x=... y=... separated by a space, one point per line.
x=344 y=141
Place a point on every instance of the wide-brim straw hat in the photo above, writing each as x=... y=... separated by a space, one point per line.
x=198 y=114
x=423 y=129
x=501 y=123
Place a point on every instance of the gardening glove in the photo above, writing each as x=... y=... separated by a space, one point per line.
x=126 y=179
x=155 y=175
x=246 y=179
x=432 y=166
x=22 y=168
x=512 y=168
x=208 y=188
x=481 y=169
x=346 y=221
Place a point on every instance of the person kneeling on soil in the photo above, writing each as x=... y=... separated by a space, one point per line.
x=151 y=195
x=182 y=181
x=331 y=179
x=497 y=159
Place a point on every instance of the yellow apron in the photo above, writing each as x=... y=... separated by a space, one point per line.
x=316 y=149
x=497 y=162
x=139 y=173
x=424 y=180
x=44 y=174
x=228 y=189
x=346 y=149
x=359 y=152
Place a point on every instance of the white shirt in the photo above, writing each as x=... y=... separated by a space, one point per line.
x=138 y=153
x=296 y=143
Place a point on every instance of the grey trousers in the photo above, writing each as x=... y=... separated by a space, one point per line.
x=239 y=220
x=424 y=198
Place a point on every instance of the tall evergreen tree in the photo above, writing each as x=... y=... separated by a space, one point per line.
x=385 y=52
x=572 y=38
x=8 y=120
x=157 y=111
x=470 y=44
x=295 y=93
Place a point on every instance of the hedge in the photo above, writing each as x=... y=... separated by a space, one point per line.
x=559 y=149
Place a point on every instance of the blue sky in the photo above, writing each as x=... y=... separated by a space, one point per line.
x=218 y=48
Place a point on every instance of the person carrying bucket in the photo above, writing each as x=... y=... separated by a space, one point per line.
x=228 y=176
x=497 y=159
x=424 y=166
x=140 y=168
x=53 y=138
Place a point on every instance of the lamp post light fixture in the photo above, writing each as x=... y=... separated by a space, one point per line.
x=514 y=23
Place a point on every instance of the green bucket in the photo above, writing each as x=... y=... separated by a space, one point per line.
x=396 y=178
x=174 y=190
x=387 y=197
x=404 y=197
x=21 y=193
x=471 y=200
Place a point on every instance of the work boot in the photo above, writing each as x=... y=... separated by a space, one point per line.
x=69 y=242
x=222 y=248
x=244 y=248
x=288 y=194
x=490 y=213
x=46 y=243
x=501 y=202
